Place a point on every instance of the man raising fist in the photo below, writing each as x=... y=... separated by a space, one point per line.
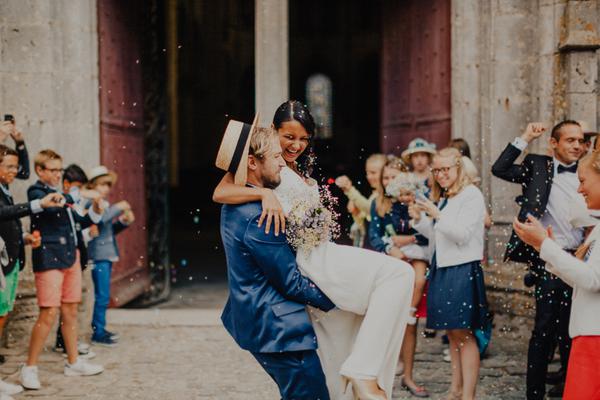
x=549 y=184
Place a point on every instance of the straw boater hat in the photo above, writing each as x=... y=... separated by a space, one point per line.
x=233 y=153
x=101 y=171
x=417 y=145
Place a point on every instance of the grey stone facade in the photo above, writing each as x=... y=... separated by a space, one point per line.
x=49 y=82
x=515 y=62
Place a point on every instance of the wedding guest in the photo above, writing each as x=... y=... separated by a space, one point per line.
x=75 y=177
x=13 y=239
x=103 y=251
x=461 y=145
x=418 y=157
x=456 y=300
x=582 y=272
x=549 y=188
x=57 y=270
x=413 y=248
x=383 y=216
x=360 y=204
x=9 y=128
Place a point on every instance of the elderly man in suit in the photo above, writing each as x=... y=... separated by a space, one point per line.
x=549 y=186
x=266 y=310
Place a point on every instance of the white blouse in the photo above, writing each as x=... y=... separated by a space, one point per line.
x=584 y=277
x=458 y=235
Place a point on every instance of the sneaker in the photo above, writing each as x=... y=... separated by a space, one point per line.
x=29 y=377
x=10 y=388
x=86 y=356
x=113 y=335
x=104 y=340
x=82 y=368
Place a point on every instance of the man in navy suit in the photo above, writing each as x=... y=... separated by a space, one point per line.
x=266 y=310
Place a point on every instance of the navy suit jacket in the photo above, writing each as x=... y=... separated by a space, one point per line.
x=265 y=312
x=58 y=249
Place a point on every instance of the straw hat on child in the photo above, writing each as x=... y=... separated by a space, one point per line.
x=418 y=145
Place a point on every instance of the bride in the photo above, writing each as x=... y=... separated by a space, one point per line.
x=359 y=343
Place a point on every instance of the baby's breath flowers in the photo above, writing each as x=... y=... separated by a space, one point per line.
x=311 y=223
x=406 y=182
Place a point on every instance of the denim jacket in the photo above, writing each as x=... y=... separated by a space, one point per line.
x=104 y=246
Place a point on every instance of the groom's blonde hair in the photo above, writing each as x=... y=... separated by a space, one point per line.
x=261 y=142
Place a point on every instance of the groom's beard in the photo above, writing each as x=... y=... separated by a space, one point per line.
x=271 y=182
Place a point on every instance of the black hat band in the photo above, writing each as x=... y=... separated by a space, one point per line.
x=239 y=149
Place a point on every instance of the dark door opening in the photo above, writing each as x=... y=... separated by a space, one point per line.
x=339 y=40
x=215 y=82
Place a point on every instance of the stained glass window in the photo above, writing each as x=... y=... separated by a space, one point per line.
x=319 y=101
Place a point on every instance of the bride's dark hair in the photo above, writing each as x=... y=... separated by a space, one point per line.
x=293 y=110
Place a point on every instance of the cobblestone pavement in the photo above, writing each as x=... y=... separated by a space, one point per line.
x=184 y=353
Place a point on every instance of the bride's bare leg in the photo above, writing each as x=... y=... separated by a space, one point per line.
x=380 y=335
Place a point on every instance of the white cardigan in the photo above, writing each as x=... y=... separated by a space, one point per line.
x=584 y=277
x=457 y=236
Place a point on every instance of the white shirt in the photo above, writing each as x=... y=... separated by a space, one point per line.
x=562 y=202
x=584 y=277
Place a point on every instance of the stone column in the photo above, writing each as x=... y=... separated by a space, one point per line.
x=579 y=59
x=271 y=55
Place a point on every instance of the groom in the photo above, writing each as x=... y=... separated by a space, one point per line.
x=265 y=312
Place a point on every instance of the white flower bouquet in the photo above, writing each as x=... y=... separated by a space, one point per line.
x=406 y=182
x=311 y=223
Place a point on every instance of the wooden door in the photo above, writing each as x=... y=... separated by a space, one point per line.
x=122 y=136
x=415 y=78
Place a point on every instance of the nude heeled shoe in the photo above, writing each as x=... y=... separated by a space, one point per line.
x=363 y=389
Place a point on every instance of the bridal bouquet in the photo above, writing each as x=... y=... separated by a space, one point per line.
x=312 y=222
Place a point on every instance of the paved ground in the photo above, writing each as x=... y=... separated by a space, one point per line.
x=184 y=353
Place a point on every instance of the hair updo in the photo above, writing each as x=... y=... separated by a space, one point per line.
x=293 y=110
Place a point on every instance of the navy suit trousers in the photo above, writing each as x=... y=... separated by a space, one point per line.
x=298 y=374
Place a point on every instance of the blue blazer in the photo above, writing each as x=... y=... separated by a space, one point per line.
x=265 y=312
x=58 y=227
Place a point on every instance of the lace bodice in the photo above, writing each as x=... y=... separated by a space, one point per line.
x=292 y=188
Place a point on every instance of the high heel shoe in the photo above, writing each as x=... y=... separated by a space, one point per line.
x=363 y=389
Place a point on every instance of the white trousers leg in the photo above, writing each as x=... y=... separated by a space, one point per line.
x=377 y=346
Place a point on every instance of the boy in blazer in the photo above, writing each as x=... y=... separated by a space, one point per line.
x=11 y=231
x=549 y=188
x=75 y=177
x=57 y=269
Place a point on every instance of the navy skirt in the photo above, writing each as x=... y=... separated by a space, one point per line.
x=456 y=297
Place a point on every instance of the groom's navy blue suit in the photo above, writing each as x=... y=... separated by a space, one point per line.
x=265 y=312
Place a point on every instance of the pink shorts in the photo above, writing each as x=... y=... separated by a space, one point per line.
x=57 y=286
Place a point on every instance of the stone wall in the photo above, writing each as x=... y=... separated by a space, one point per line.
x=515 y=62
x=49 y=82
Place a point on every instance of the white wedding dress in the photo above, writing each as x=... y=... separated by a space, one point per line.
x=362 y=338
